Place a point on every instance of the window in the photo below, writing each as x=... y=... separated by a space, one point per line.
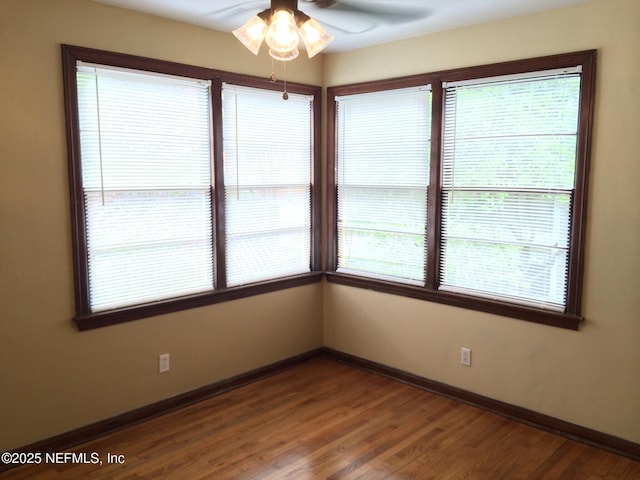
x=146 y=181
x=267 y=177
x=382 y=149
x=508 y=178
x=189 y=186
x=505 y=204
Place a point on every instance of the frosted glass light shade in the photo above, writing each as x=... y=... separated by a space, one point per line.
x=282 y=35
x=285 y=56
x=315 y=37
x=252 y=33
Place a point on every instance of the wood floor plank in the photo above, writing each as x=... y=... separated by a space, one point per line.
x=327 y=420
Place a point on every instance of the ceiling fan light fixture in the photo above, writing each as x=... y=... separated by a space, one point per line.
x=315 y=37
x=252 y=33
x=282 y=26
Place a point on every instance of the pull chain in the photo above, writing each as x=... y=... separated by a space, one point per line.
x=285 y=95
x=273 y=72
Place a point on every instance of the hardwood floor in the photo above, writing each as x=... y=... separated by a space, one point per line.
x=326 y=420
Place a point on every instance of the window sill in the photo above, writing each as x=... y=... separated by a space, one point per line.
x=121 y=315
x=114 y=317
x=545 y=317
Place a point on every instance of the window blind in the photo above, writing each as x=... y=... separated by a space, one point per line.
x=267 y=179
x=146 y=177
x=382 y=177
x=508 y=174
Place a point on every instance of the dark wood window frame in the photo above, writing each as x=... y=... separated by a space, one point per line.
x=84 y=318
x=571 y=317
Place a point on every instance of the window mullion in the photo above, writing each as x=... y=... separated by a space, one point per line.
x=218 y=204
x=434 y=196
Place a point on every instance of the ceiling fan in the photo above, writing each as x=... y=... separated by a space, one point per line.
x=283 y=24
x=338 y=16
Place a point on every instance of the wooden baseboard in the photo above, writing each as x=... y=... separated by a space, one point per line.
x=68 y=440
x=544 y=422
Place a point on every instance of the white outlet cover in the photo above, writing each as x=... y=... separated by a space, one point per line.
x=163 y=363
x=465 y=356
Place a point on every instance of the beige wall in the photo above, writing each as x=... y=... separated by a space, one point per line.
x=590 y=377
x=52 y=377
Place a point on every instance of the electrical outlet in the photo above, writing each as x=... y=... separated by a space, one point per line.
x=465 y=356
x=163 y=363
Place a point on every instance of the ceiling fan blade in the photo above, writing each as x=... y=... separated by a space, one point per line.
x=351 y=25
x=247 y=6
x=372 y=11
x=383 y=11
x=323 y=3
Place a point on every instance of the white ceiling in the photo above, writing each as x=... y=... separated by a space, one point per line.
x=353 y=23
